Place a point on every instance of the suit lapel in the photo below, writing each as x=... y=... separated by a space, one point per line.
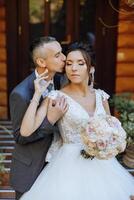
x=31 y=79
x=57 y=81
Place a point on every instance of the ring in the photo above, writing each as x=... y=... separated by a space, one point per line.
x=53 y=104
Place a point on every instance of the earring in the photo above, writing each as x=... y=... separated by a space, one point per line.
x=92 y=71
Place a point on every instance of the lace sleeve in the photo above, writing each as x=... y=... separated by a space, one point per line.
x=103 y=94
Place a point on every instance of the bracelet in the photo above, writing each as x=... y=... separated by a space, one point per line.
x=35 y=101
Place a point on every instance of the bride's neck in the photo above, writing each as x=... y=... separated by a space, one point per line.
x=79 y=89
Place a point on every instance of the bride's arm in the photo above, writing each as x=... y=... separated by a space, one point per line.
x=33 y=116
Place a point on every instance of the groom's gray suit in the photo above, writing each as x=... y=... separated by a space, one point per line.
x=30 y=152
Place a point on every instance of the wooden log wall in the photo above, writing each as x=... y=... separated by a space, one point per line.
x=3 y=66
x=125 y=52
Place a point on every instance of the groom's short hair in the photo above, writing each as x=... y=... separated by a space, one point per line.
x=37 y=44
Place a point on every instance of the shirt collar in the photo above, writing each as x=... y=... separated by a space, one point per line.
x=36 y=73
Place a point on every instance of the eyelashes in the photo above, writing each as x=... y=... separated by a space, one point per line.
x=70 y=64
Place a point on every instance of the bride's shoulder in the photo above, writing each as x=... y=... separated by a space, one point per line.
x=103 y=94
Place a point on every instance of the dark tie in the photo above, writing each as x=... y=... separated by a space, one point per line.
x=46 y=92
x=50 y=87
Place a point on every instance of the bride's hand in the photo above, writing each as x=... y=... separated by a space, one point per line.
x=56 y=109
x=39 y=84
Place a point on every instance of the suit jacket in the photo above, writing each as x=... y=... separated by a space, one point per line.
x=29 y=155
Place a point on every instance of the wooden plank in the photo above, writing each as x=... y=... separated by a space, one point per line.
x=127 y=16
x=2 y=40
x=125 y=49
x=2 y=25
x=3 y=98
x=125 y=69
x=3 y=112
x=3 y=83
x=125 y=55
x=126 y=40
x=3 y=55
x=124 y=84
x=2 y=3
x=2 y=12
x=126 y=27
x=3 y=69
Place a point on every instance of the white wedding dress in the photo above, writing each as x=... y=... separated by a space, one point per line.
x=69 y=176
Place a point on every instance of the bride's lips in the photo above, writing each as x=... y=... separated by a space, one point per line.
x=75 y=75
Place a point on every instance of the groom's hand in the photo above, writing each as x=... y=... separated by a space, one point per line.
x=56 y=109
x=40 y=85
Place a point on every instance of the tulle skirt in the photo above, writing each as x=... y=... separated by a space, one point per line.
x=69 y=176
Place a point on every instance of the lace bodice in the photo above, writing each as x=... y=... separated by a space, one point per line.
x=71 y=124
x=77 y=117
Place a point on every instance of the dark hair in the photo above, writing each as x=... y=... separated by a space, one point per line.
x=86 y=52
x=38 y=42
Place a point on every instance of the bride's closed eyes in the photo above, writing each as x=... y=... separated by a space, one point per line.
x=80 y=62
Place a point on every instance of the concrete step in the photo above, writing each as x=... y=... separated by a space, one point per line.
x=7 y=156
x=7 y=199
x=6 y=136
x=7 y=193
x=6 y=149
x=7 y=143
x=5 y=126
x=6 y=163
x=8 y=126
x=5 y=122
x=6 y=131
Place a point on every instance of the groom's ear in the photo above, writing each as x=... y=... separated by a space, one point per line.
x=41 y=62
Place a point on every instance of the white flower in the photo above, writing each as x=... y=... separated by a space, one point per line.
x=104 y=137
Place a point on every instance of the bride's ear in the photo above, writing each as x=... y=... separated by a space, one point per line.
x=92 y=71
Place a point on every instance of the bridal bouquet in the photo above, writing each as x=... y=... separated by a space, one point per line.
x=103 y=138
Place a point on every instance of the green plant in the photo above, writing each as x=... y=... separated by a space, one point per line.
x=124 y=106
x=2 y=168
x=1 y=163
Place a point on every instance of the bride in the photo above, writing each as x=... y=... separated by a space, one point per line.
x=70 y=176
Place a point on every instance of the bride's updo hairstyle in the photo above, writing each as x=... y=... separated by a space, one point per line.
x=86 y=52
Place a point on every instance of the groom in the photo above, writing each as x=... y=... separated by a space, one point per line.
x=29 y=154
